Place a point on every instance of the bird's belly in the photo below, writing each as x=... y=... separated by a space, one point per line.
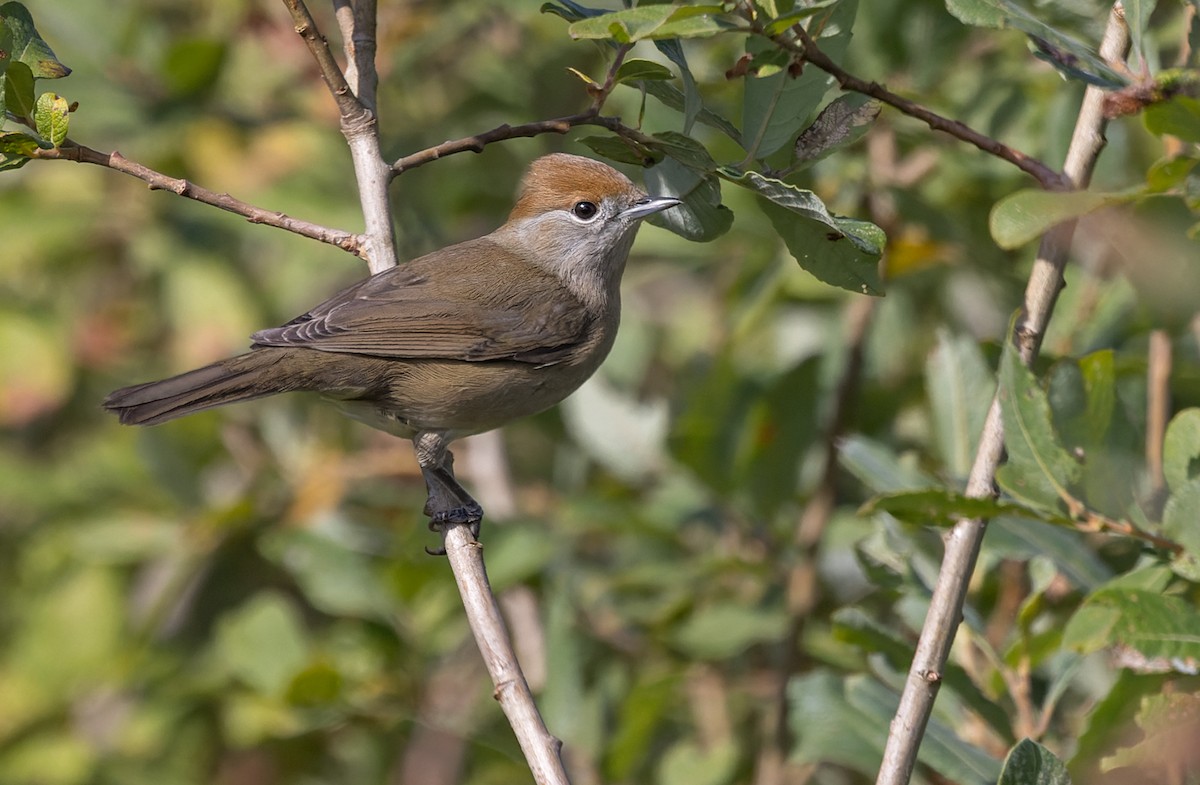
x=461 y=398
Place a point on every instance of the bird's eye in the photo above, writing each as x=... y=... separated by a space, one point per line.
x=585 y=211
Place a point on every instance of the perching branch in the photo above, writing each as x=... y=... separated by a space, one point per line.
x=806 y=49
x=964 y=540
x=70 y=151
x=356 y=19
x=541 y=749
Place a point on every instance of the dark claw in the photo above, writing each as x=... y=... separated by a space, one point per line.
x=469 y=515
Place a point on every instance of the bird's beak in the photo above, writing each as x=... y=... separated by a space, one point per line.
x=649 y=206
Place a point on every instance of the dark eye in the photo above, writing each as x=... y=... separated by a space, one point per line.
x=585 y=211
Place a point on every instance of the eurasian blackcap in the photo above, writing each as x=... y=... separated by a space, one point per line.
x=456 y=342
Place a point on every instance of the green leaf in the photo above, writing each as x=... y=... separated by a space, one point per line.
x=960 y=387
x=843 y=122
x=27 y=44
x=828 y=729
x=17 y=144
x=879 y=468
x=1181 y=523
x=1070 y=56
x=1137 y=16
x=775 y=107
x=654 y=21
x=1178 y=117
x=263 y=642
x=1029 y=763
x=571 y=11
x=789 y=20
x=839 y=251
x=1169 y=173
x=6 y=50
x=701 y=217
x=1158 y=627
x=671 y=96
x=685 y=150
x=633 y=70
x=693 y=105
x=1181 y=449
x=780 y=430
x=51 y=118
x=941 y=507
x=1027 y=214
x=18 y=90
x=616 y=148
x=1039 y=470
x=724 y=630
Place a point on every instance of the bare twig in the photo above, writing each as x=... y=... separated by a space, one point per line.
x=541 y=749
x=557 y=125
x=808 y=51
x=358 y=123
x=70 y=151
x=963 y=541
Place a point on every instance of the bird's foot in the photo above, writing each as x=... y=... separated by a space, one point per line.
x=470 y=515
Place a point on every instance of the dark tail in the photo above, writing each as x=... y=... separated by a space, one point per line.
x=241 y=378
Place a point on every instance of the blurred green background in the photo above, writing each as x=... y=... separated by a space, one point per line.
x=243 y=597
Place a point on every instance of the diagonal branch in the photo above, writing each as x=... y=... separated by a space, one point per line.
x=964 y=540
x=557 y=125
x=70 y=151
x=808 y=51
x=358 y=121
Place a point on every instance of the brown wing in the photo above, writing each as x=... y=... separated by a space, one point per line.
x=454 y=306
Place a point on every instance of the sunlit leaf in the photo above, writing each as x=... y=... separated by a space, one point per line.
x=941 y=507
x=51 y=118
x=632 y=70
x=1026 y=215
x=654 y=21
x=839 y=251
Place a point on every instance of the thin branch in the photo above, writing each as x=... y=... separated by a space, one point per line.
x=557 y=125
x=808 y=51
x=963 y=541
x=350 y=108
x=358 y=123
x=542 y=750
x=70 y=151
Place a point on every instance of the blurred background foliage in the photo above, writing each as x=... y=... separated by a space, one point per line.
x=243 y=597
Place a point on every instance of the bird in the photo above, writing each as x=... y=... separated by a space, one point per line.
x=456 y=342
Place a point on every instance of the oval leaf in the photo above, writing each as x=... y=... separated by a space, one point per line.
x=1026 y=215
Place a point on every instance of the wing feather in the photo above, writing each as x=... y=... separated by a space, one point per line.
x=454 y=305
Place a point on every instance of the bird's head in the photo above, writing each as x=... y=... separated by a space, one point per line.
x=577 y=217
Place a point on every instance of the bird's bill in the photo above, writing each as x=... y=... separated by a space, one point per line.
x=649 y=206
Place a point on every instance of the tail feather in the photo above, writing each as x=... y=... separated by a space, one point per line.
x=239 y=378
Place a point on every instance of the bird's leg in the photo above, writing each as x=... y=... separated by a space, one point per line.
x=448 y=503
